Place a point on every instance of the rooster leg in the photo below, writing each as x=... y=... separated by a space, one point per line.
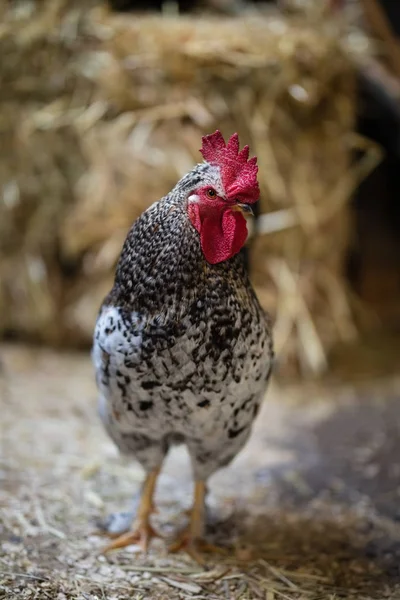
x=142 y=531
x=191 y=539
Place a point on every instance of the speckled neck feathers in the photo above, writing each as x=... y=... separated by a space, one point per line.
x=162 y=264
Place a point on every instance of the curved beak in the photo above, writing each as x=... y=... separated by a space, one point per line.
x=243 y=208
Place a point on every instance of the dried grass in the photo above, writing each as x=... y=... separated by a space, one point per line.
x=100 y=114
x=60 y=474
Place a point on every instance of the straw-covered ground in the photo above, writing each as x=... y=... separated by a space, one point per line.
x=310 y=508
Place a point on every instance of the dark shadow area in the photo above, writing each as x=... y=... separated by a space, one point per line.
x=348 y=555
x=339 y=499
x=356 y=455
x=374 y=255
x=341 y=555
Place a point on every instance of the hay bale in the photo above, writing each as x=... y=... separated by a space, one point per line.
x=100 y=115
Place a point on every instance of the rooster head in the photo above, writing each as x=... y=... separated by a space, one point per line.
x=226 y=190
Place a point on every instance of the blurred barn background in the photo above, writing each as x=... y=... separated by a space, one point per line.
x=102 y=107
x=101 y=111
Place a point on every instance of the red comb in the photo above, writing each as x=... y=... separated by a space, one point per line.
x=239 y=175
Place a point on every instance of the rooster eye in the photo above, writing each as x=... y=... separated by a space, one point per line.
x=211 y=193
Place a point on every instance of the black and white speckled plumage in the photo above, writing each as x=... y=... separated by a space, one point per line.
x=182 y=349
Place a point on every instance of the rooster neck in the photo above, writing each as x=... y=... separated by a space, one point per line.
x=162 y=267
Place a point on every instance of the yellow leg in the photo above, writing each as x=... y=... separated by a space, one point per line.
x=190 y=539
x=142 y=531
x=197 y=516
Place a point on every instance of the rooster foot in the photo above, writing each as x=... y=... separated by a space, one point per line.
x=142 y=531
x=194 y=547
x=140 y=535
x=190 y=540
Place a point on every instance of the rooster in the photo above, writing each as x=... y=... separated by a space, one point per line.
x=182 y=349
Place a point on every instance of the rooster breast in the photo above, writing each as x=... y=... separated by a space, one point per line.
x=197 y=379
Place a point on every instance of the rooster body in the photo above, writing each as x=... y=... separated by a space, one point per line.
x=182 y=349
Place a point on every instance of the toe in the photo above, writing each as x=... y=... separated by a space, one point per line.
x=185 y=544
x=194 y=547
x=122 y=541
x=140 y=535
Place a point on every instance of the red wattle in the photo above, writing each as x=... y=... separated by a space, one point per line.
x=222 y=236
